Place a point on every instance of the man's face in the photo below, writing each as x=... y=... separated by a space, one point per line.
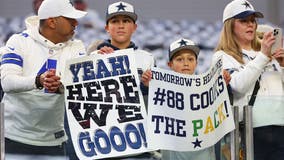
x=63 y=28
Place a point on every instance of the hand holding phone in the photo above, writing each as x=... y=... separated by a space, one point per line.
x=277 y=33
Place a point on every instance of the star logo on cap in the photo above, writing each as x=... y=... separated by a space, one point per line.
x=121 y=7
x=246 y=4
x=197 y=143
x=182 y=43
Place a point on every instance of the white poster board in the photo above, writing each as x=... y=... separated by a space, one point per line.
x=188 y=112
x=104 y=105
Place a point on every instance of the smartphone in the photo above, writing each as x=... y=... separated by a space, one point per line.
x=277 y=33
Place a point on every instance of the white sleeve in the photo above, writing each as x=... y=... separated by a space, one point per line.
x=243 y=77
x=11 y=72
x=12 y=81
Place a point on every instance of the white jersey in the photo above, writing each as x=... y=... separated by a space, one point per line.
x=33 y=116
x=144 y=60
x=268 y=107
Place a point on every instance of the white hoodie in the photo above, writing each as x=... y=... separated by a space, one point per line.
x=268 y=108
x=33 y=116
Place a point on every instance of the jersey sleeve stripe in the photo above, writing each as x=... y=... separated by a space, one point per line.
x=12 y=61
x=12 y=58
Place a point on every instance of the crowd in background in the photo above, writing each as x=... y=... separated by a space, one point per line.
x=155 y=36
x=152 y=34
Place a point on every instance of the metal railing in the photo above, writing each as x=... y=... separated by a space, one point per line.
x=246 y=144
x=248 y=131
x=235 y=136
x=2 y=140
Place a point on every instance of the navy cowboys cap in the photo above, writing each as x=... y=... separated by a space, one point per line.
x=121 y=8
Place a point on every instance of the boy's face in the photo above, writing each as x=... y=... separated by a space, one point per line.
x=184 y=61
x=120 y=29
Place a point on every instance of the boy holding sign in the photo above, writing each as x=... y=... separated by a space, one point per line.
x=120 y=25
x=183 y=54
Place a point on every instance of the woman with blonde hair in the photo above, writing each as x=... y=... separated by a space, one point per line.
x=256 y=76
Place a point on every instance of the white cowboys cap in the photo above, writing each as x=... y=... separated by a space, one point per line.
x=239 y=9
x=121 y=8
x=183 y=44
x=56 y=8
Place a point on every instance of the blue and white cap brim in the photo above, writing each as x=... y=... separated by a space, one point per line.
x=133 y=16
x=248 y=13
x=240 y=9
